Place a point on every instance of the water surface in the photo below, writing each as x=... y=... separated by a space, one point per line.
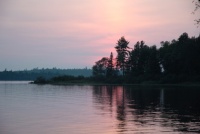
x=47 y=109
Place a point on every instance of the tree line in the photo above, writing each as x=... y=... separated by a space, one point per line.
x=45 y=73
x=175 y=61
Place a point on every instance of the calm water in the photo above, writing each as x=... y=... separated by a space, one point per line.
x=47 y=109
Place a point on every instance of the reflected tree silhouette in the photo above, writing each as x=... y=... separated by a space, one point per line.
x=136 y=107
x=112 y=99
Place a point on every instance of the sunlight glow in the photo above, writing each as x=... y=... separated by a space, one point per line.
x=115 y=14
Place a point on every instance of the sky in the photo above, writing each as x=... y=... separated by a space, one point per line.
x=77 y=33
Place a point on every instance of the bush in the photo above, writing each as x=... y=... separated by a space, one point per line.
x=40 y=80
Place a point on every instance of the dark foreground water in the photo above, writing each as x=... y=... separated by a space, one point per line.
x=47 y=109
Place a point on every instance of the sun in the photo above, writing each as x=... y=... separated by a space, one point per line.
x=115 y=10
x=115 y=13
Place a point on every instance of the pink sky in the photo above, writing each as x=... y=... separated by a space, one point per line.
x=76 y=33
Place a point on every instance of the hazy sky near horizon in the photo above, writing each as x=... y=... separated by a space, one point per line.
x=76 y=33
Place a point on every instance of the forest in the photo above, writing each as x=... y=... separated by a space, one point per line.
x=45 y=73
x=176 y=61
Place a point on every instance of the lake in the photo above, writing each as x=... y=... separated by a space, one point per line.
x=48 y=109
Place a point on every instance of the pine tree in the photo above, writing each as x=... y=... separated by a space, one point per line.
x=110 y=67
x=122 y=53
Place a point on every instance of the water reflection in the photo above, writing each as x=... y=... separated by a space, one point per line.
x=150 y=109
x=47 y=109
x=111 y=100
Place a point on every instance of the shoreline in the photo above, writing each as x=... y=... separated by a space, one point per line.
x=185 y=84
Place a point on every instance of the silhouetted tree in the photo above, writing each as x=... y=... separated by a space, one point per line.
x=122 y=53
x=110 y=67
x=182 y=56
x=179 y=61
x=153 y=65
x=100 y=67
x=138 y=58
x=197 y=6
